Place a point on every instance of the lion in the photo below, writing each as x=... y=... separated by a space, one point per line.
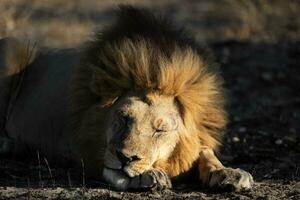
x=140 y=105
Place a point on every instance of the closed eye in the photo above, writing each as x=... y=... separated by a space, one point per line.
x=160 y=130
x=158 y=133
x=125 y=121
x=121 y=122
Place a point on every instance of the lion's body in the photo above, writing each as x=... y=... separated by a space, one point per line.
x=36 y=106
x=142 y=105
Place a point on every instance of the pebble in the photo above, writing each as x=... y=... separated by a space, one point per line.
x=278 y=142
x=59 y=190
x=235 y=139
x=242 y=129
x=263 y=133
x=115 y=195
x=268 y=176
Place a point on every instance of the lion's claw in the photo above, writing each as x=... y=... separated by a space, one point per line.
x=152 y=179
x=231 y=179
x=161 y=179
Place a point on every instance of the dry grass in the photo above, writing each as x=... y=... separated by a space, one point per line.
x=68 y=23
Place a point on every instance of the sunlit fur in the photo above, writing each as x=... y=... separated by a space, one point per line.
x=163 y=61
x=15 y=55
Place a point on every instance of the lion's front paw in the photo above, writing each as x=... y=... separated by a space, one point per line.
x=231 y=179
x=151 y=180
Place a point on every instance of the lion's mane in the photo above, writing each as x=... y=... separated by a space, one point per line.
x=140 y=52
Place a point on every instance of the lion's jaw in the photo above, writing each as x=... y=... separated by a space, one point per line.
x=141 y=131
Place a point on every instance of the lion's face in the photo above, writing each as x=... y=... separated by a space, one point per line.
x=142 y=129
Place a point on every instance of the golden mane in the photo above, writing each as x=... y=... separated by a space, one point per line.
x=184 y=75
x=114 y=65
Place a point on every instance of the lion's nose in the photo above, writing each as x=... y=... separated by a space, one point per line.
x=125 y=159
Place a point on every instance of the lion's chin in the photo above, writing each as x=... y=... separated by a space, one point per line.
x=128 y=170
x=133 y=170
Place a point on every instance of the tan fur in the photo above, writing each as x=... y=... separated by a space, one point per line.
x=143 y=103
x=16 y=55
x=208 y=163
x=185 y=77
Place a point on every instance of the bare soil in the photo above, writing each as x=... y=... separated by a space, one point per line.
x=261 y=66
x=263 y=137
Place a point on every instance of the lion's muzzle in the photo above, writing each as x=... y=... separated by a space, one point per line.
x=126 y=159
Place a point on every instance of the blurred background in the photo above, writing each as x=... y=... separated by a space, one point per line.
x=255 y=42
x=57 y=23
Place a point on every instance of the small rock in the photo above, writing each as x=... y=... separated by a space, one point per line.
x=278 y=142
x=242 y=129
x=235 y=139
x=267 y=176
x=115 y=195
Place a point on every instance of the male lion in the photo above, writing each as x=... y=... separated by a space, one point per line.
x=140 y=105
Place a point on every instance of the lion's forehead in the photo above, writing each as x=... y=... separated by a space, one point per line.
x=134 y=107
x=137 y=108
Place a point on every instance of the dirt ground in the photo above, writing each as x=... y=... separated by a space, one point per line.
x=258 y=50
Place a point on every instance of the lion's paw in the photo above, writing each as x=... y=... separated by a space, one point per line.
x=151 y=180
x=231 y=179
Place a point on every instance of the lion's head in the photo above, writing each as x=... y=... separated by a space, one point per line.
x=143 y=95
x=141 y=130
